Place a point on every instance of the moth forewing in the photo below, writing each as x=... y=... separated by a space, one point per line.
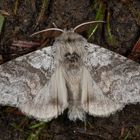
x=58 y=88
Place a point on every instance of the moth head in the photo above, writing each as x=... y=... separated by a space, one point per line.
x=70 y=48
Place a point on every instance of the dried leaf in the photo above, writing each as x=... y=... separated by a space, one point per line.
x=137 y=46
x=25 y=44
x=135 y=54
x=2 y=12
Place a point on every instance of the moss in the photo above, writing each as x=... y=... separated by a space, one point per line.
x=99 y=7
x=135 y=12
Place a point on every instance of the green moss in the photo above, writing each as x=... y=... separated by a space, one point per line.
x=135 y=12
x=1 y=22
x=109 y=37
x=44 y=7
x=36 y=131
x=99 y=7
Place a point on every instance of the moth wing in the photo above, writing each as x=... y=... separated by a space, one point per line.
x=112 y=81
x=28 y=83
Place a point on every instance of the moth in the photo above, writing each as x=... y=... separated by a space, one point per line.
x=71 y=74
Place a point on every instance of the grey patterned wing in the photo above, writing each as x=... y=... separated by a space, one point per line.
x=115 y=81
x=26 y=83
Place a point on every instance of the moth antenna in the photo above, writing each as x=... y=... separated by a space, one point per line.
x=49 y=33
x=84 y=26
